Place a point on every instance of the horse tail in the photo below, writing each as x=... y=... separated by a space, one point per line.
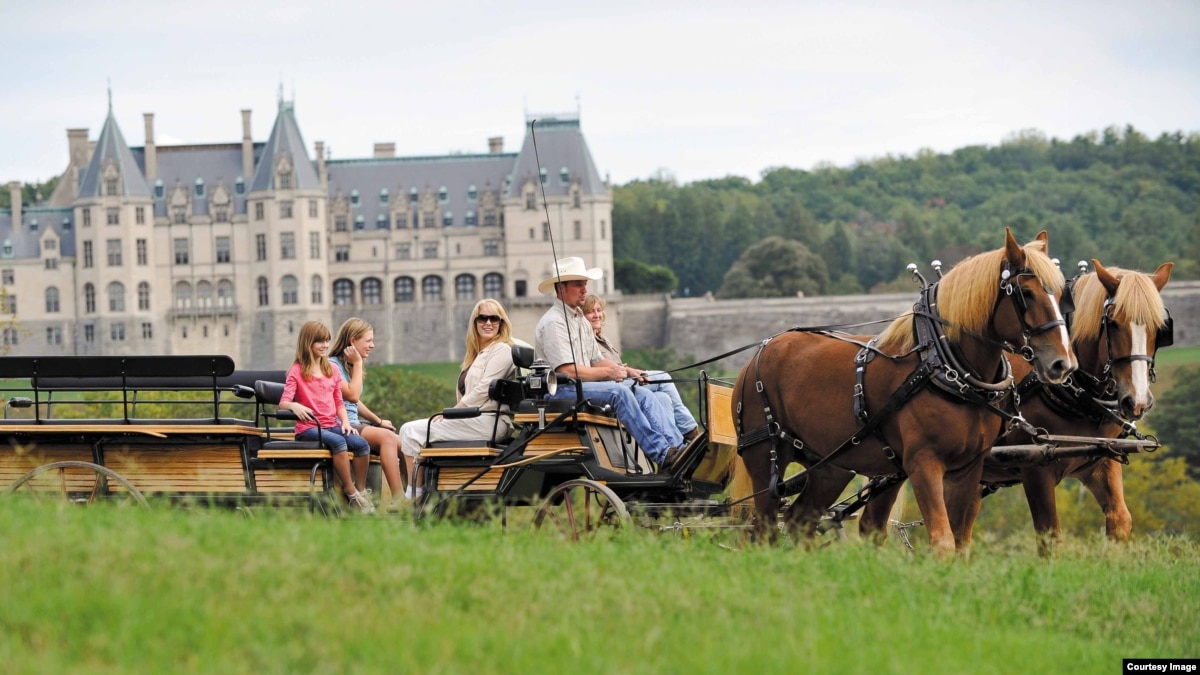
x=740 y=488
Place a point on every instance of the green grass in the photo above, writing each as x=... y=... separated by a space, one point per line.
x=171 y=590
x=445 y=372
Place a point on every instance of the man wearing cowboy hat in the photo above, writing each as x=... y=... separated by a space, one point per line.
x=564 y=339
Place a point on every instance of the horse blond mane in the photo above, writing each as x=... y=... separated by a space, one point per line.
x=1137 y=301
x=966 y=296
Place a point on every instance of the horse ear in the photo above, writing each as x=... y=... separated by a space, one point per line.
x=1162 y=275
x=1106 y=278
x=1044 y=237
x=1016 y=255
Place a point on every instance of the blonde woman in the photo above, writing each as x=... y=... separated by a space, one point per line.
x=355 y=342
x=488 y=358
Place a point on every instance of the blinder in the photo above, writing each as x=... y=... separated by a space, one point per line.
x=1165 y=337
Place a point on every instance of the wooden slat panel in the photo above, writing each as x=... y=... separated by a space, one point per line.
x=17 y=460
x=22 y=460
x=454 y=478
x=460 y=452
x=180 y=468
x=720 y=415
x=586 y=418
x=552 y=441
x=275 y=481
x=294 y=454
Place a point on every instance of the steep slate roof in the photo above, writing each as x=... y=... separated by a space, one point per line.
x=398 y=175
x=285 y=140
x=25 y=242
x=111 y=146
x=559 y=144
x=211 y=162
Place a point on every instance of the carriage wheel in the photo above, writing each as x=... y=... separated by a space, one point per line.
x=579 y=509
x=74 y=483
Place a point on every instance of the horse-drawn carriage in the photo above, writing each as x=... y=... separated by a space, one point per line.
x=925 y=401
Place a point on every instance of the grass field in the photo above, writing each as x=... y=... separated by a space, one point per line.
x=171 y=590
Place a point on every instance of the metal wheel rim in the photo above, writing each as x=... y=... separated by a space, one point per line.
x=103 y=473
x=599 y=509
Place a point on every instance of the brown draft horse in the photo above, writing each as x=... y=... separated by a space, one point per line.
x=808 y=383
x=1118 y=325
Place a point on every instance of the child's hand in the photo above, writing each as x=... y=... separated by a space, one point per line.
x=348 y=430
x=352 y=356
x=303 y=412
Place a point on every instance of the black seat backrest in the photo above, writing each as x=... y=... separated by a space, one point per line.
x=268 y=392
x=522 y=356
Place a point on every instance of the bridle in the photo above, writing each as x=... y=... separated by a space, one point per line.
x=1010 y=287
x=1163 y=337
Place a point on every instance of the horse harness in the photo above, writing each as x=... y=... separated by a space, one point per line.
x=941 y=365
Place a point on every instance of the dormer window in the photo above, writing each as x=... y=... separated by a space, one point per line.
x=443 y=195
x=239 y=186
x=564 y=176
x=471 y=219
x=381 y=222
x=66 y=224
x=472 y=193
x=447 y=219
x=354 y=200
x=110 y=187
x=412 y=196
x=360 y=223
x=542 y=173
x=159 y=191
x=199 y=190
x=285 y=180
x=33 y=225
x=8 y=249
x=383 y=196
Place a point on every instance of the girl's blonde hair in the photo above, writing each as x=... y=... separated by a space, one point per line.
x=485 y=306
x=353 y=329
x=311 y=333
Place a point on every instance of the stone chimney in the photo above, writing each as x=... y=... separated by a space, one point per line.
x=77 y=146
x=385 y=150
x=247 y=149
x=496 y=145
x=322 y=173
x=14 y=193
x=151 y=150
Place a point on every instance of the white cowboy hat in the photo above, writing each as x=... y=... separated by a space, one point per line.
x=569 y=269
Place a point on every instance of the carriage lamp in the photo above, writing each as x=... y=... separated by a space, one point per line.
x=541 y=382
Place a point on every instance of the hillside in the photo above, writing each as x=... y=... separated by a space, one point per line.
x=1115 y=195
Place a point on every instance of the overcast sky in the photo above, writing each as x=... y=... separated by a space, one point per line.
x=698 y=89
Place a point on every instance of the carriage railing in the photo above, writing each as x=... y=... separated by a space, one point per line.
x=111 y=389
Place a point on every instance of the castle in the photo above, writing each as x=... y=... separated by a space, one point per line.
x=228 y=248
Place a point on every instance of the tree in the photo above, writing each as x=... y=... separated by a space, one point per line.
x=1177 y=418
x=775 y=267
x=633 y=276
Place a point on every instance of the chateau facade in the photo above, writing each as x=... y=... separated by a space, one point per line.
x=228 y=248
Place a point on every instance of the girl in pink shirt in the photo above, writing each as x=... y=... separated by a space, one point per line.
x=313 y=391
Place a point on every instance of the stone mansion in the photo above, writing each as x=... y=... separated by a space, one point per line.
x=227 y=248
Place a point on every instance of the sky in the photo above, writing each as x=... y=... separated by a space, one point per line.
x=692 y=90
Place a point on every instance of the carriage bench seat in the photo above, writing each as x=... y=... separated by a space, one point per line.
x=460 y=450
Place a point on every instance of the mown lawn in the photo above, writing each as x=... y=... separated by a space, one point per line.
x=174 y=590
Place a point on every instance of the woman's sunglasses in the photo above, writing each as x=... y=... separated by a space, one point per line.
x=489 y=318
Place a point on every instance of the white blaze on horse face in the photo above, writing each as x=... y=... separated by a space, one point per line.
x=1062 y=328
x=1140 y=368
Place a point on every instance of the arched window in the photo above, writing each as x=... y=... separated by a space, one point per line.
x=372 y=291
x=225 y=293
x=493 y=285
x=89 y=298
x=289 y=287
x=343 y=292
x=52 y=299
x=143 y=292
x=116 y=297
x=431 y=288
x=403 y=289
x=318 y=290
x=464 y=287
x=183 y=295
x=264 y=292
x=204 y=294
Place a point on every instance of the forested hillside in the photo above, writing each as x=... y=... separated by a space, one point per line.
x=1114 y=195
